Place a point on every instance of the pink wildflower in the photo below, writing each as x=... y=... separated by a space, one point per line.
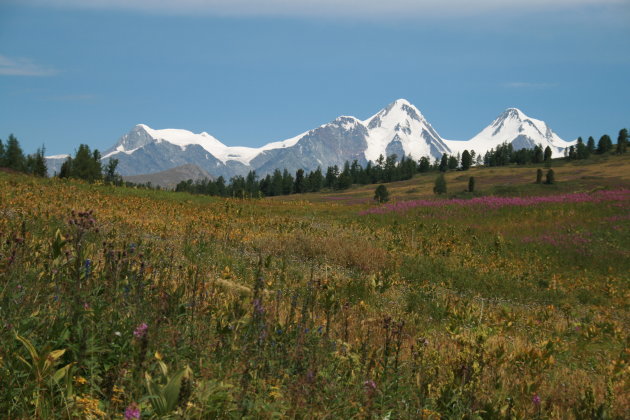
x=140 y=330
x=132 y=412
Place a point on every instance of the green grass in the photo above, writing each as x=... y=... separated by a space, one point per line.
x=300 y=307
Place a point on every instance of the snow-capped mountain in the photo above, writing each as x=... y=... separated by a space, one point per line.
x=513 y=126
x=400 y=128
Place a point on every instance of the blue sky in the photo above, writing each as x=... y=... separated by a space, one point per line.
x=250 y=72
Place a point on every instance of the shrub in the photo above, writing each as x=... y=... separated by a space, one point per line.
x=381 y=195
x=471 y=184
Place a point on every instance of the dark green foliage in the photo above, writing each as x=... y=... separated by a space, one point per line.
x=111 y=177
x=36 y=164
x=466 y=160
x=331 y=177
x=471 y=184
x=550 y=177
x=503 y=155
x=538 y=154
x=2 y=159
x=539 y=176
x=444 y=163
x=424 y=164
x=581 y=151
x=85 y=165
x=299 y=186
x=604 y=144
x=547 y=154
x=452 y=162
x=381 y=195
x=590 y=145
x=622 y=141
x=440 y=185
x=13 y=155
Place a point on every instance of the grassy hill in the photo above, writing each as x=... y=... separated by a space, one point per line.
x=114 y=300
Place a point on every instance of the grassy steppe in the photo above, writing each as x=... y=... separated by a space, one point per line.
x=114 y=300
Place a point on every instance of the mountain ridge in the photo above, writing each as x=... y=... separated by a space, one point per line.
x=399 y=128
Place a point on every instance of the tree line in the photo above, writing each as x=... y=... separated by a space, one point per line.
x=86 y=164
x=12 y=157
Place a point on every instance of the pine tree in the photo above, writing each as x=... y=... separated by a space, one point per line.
x=440 y=185
x=444 y=163
x=316 y=180
x=381 y=195
x=39 y=167
x=539 y=176
x=622 y=141
x=590 y=145
x=604 y=144
x=547 y=154
x=111 y=177
x=452 y=162
x=13 y=155
x=2 y=158
x=424 y=164
x=471 y=184
x=287 y=182
x=581 y=152
x=466 y=160
x=538 y=154
x=300 y=183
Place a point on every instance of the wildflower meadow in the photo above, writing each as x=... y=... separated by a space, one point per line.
x=128 y=303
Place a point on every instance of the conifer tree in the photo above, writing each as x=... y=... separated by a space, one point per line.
x=440 y=185
x=452 y=163
x=604 y=144
x=39 y=167
x=13 y=155
x=539 y=176
x=590 y=145
x=424 y=164
x=466 y=160
x=300 y=183
x=2 y=161
x=443 y=163
x=622 y=141
x=547 y=154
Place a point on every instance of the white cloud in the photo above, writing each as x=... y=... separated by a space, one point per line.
x=23 y=67
x=328 y=8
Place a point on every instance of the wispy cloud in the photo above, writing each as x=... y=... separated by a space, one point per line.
x=529 y=85
x=328 y=8
x=23 y=67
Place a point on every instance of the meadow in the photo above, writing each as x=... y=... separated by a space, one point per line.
x=507 y=304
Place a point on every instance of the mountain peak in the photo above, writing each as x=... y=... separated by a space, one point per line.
x=512 y=113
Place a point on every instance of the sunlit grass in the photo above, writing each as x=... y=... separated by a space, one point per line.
x=171 y=305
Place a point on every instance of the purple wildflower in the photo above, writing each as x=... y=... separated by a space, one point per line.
x=536 y=400
x=140 y=330
x=132 y=412
x=369 y=385
x=498 y=202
